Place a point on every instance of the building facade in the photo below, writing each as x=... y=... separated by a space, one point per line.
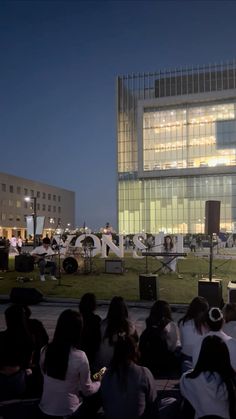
x=176 y=149
x=57 y=205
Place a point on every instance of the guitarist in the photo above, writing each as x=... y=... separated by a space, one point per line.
x=43 y=256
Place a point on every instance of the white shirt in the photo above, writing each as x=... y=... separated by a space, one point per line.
x=207 y=394
x=19 y=242
x=40 y=250
x=189 y=336
x=230 y=342
x=61 y=397
x=172 y=336
x=230 y=328
x=13 y=241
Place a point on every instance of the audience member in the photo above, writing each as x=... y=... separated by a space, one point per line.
x=116 y=323
x=16 y=351
x=191 y=326
x=159 y=343
x=40 y=339
x=16 y=344
x=215 y=323
x=19 y=244
x=229 y=313
x=128 y=390
x=66 y=372
x=91 y=333
x=210 y=387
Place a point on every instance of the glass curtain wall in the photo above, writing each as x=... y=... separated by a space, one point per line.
x=184 y=137
x=174 y=205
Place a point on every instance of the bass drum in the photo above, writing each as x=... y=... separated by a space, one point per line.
x=70 y=265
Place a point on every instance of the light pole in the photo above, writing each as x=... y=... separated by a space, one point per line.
x=34 y=199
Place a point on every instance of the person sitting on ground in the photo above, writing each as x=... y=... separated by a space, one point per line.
x=215 y=323
x=116 y=322
x=16 y=352
x=68 y=389
x=159 y=343
x=40 y=339
x=43 y=255
x=128 y=390
x=191 y=326
x=91 y=333
x=210 y=387
x=229 y=313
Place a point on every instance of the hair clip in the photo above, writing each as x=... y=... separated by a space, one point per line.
x=218 y=312
x=122 y=335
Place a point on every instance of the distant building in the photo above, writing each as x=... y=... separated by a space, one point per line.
x=56 y=204
x=176 y=134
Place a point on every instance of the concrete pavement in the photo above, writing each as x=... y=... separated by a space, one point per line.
x=49 y=310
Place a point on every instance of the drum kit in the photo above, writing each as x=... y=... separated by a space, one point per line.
x=78 y=259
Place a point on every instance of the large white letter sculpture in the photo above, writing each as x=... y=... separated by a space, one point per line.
x=106 y=241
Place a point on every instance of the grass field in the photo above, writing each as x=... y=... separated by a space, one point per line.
x=105 y=286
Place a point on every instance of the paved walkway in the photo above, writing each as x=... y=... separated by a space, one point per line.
x=49 y=310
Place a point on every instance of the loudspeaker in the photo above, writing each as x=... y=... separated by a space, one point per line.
x=148 y=287
x=26 y=296
x=115 y=266
x=24 y=263
x=212 y=217
x=231 y=292
x=4 y=258
x=212 y=291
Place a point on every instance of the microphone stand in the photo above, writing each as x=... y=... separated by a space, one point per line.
x=58 y=248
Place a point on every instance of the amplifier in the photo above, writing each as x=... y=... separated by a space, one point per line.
x=24 y=263
x=114 y=266
x=148 y=287
x=212 y=291
x=231 y=288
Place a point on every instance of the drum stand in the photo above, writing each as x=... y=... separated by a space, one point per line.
x=88 y=260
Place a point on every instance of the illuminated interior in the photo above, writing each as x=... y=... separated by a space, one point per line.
x=189 y=137
x=175 y=204
x=176 y=157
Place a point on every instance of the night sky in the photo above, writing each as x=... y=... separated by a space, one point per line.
x=58 y=66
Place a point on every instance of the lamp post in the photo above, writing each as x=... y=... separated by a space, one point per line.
x=34 y=199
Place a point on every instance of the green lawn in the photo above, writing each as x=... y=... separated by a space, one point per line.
x=105 y=286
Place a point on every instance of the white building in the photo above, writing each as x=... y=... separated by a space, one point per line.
x=57 y=205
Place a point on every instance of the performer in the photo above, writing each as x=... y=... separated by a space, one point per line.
x=108 y=230
x=43 y=255
x=169 y=247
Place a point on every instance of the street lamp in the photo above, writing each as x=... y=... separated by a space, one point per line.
x=34 y=199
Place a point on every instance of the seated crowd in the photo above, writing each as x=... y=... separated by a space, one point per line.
x=66 y=375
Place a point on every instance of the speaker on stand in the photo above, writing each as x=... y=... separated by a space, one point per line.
x=208 y=288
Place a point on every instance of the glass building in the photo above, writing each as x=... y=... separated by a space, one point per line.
x=176 y=135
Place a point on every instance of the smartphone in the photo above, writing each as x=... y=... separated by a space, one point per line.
x=99 y=374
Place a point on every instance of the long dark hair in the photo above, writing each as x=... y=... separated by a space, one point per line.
x=125 y=352
x=66 y=336
x=214 y=357
x=171 y=245
x=160 y=314
x=87 y=304
x=197 y=311
x=117 y=319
